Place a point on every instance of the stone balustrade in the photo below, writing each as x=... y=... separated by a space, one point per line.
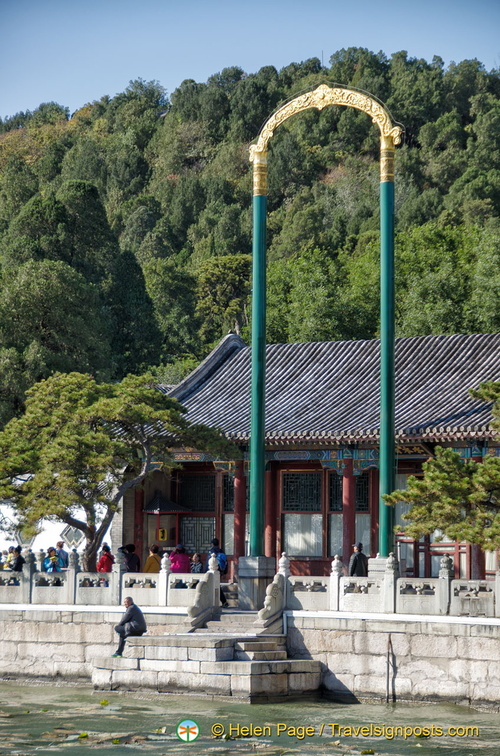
x=385 y=591
x=382 y=591
x=199 y=593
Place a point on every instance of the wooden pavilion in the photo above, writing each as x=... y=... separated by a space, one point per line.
x=322 y=433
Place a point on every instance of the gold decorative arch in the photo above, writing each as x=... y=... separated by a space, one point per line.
x=321 y=97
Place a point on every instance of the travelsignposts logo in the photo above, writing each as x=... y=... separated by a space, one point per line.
x=187 y=730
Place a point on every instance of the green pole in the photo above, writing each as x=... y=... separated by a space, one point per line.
x=387 y=446
x=257 y=429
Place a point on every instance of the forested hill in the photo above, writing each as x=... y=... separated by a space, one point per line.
x=126 y=228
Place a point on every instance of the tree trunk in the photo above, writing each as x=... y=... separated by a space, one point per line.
x=89 y=556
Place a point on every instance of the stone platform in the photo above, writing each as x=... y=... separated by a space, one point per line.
x=234 y=662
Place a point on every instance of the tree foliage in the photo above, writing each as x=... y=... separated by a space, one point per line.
x=145 y=196
x=81 y=444
x=460 y=498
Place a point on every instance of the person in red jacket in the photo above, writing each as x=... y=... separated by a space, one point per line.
x=106 y=561
x=179 y=560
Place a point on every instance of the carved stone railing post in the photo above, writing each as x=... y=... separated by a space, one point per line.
x=116 y=578
x=391 y=576
x=40 y=556
x=446 y=575
x=72 y=576
x=29 y=570
x=284 y=569
x=213 y=567
x=497 y=593
x=274 y=602
x=163 y=581
x=335 y=575
x=203 y=606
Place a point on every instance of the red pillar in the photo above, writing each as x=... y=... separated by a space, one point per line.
x=270 y=514
x=478 y=563
x=349 y=510
x=139 y=522
x=239 y=510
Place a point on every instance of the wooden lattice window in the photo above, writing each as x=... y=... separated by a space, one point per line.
x=198 y=492
x=302 y=492
x=362 y=501
x=335 y=492
x=228 y=493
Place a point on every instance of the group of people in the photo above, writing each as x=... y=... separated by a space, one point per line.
x=180 y=561
x=55 y=561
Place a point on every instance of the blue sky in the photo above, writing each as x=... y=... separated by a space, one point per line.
x=74 y=52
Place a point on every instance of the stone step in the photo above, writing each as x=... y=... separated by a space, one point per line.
x=224 y=630
x=227 y=666
x=235 y=628
x=260 y=655
x=247 y=680
x=231 y=594
x=270 y=645
x=236 y=615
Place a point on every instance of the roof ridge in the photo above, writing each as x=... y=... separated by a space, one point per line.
x=212 y=362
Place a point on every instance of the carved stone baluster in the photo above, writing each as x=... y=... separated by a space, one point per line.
x=284 y=569
x=71 y=576
x=28 y=573
x=39 y=559
x=391 y=576
x=446 y=575
x=335 y=578
x=116 y=578
x=163 y=581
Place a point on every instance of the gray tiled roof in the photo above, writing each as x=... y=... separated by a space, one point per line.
x=329 y=392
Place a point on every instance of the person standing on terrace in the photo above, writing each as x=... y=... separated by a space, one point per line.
x=106 y=560
x=179 y=560
x=62 y=554
x=358 y=563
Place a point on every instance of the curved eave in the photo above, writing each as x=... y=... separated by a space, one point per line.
x=366 y=436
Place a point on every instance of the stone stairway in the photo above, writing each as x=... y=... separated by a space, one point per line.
x=230 y=657
x=232 y=621
x=231 y=593
x=261 y=650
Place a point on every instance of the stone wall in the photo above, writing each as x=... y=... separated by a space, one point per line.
x=448 y=660
x=428 y=658
x=62 y=643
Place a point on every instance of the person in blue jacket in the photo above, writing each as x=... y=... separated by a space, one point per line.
x=52 y=563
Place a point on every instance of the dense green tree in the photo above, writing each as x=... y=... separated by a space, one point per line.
x=139 y=224
x=86 y=161
x=416 y=91
x=51 y=320
x=18 y=184
x=223 y=295
x=81 y=445
x=171 y=290
x=434 y=272
x=93 y=246
x=253 y=101
x=173 y=182
x=40 y=231
x=135 y=337
x=483 y=309
x=137 y=111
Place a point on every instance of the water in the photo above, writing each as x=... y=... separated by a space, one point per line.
x=78 y=721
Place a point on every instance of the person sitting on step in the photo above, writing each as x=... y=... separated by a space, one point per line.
x=132 y=623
